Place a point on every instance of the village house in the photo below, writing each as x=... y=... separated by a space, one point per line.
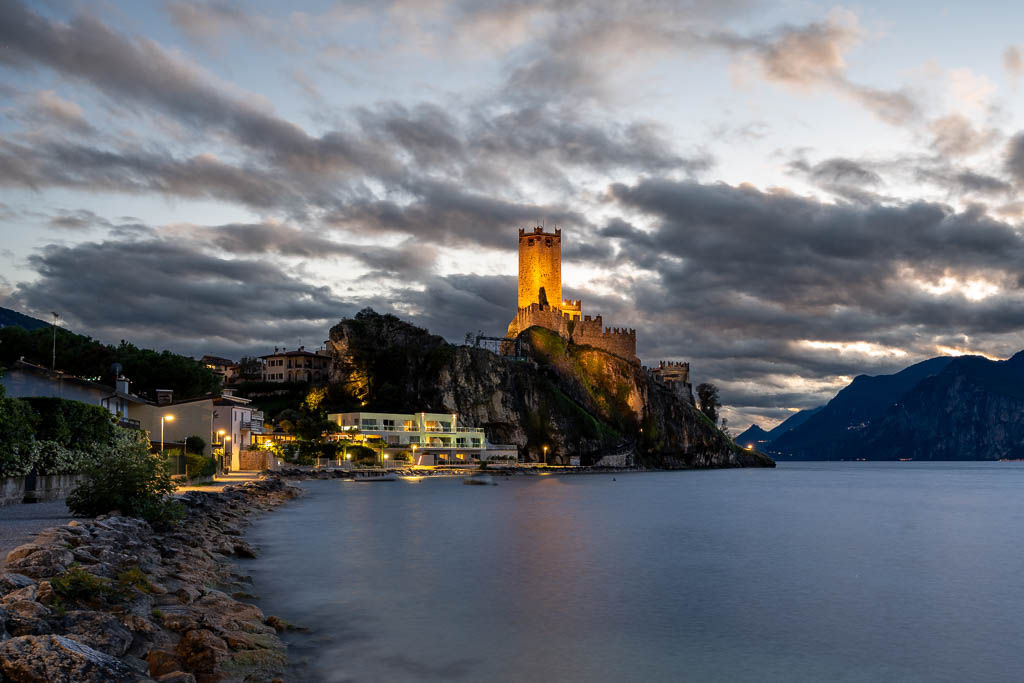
x=299 y=365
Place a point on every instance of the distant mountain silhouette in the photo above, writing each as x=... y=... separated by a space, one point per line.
x=948 y=408
x=760 y=438
x=9 y=317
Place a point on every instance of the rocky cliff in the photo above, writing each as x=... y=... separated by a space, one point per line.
x=576 y=400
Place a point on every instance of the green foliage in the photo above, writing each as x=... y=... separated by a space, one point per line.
x=250 y=368
x=363 y=455
x=51 y=457
x=126 y=477
x=707 y=400
x=135 y=578
x=78 y=586
x=85 y=357
x=17 y=430
x=403 y=456
x=197 y=465
x=72 y=424
x=195 y=444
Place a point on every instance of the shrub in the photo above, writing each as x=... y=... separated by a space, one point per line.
x=72 y=424
x=126 y=477
x=403 y=456
x=54 y=458
x=199 y=466
x=195 y=444
x=363 y=455
x=78 y=585
x=17 y=427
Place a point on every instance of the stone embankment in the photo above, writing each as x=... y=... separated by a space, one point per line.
x=111 y=600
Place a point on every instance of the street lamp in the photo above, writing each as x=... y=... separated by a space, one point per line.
x=220 y=433
x=414 y=454
x=545 y=455
x=164 y=418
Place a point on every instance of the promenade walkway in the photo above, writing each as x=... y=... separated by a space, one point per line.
x=220 y=481
x=20 y=523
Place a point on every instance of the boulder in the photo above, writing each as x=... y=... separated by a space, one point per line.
x=98 y=630
x=163 y=662
x=177 y=677
x=56 y=659
x=12 y=582
x=27 y=618
x=202 y=651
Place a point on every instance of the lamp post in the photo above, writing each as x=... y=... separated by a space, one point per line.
x=414 y=454
x=164 y=418
x=226 y=444
x=545 y=455
x=220 y=433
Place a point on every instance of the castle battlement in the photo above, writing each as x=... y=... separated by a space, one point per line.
x=541 y=303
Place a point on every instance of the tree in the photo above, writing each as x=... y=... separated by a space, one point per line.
x=707 y=400
x=250 y=367
x=126 y=477
x=194 y=444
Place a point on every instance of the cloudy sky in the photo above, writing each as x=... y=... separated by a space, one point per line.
x=785 y=194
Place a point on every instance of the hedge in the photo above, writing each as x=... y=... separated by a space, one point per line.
x=51 y=435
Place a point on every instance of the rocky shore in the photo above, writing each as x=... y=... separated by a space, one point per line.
x=110 y=600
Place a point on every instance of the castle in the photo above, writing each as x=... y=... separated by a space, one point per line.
x=541 y=302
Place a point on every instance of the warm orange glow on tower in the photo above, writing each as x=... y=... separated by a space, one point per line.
x=540 y=265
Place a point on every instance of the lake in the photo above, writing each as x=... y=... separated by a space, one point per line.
x=808 y=572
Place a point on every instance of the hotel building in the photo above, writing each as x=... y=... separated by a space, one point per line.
x=438 y=438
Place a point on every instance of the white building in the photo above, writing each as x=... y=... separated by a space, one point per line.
x=432 y=438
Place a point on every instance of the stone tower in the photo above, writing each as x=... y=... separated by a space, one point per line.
x=540 y=266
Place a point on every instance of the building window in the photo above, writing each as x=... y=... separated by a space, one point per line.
x=476 y=442
x=409 y=426
x=414 y=438
x=369 y=423
x=389 y=425
x=460 y=441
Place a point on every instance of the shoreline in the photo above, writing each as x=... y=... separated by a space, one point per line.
x=109 y=599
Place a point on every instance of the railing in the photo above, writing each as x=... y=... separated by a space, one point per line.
x=129 y=423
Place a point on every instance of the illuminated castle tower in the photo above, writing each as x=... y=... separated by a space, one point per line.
x=541 y=303
x=540 y=267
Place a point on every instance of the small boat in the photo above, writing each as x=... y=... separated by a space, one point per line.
x=479 y=480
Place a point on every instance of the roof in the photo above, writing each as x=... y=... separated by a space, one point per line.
x=290 y=353
x=216 y=360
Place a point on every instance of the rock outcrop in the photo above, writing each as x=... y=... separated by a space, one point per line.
x=110 y=600
x=575 y=399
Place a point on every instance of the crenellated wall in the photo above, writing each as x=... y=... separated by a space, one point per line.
x=588 y=330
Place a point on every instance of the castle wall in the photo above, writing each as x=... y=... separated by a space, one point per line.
x=589 y=331
x=540 y=265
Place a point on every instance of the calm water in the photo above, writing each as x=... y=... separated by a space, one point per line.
x=810 y=572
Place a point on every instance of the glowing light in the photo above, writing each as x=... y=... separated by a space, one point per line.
x=169 y=418
x=960 y=351
x=861 y=347
x=973 y=290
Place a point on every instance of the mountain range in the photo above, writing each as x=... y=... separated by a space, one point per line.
x=9 y=317
x=947 y=408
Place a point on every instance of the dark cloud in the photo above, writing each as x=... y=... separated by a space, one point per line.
x=1015 y=157
x=742 y=275
x=164 y=292
x=445 y=213
x=138 y=71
